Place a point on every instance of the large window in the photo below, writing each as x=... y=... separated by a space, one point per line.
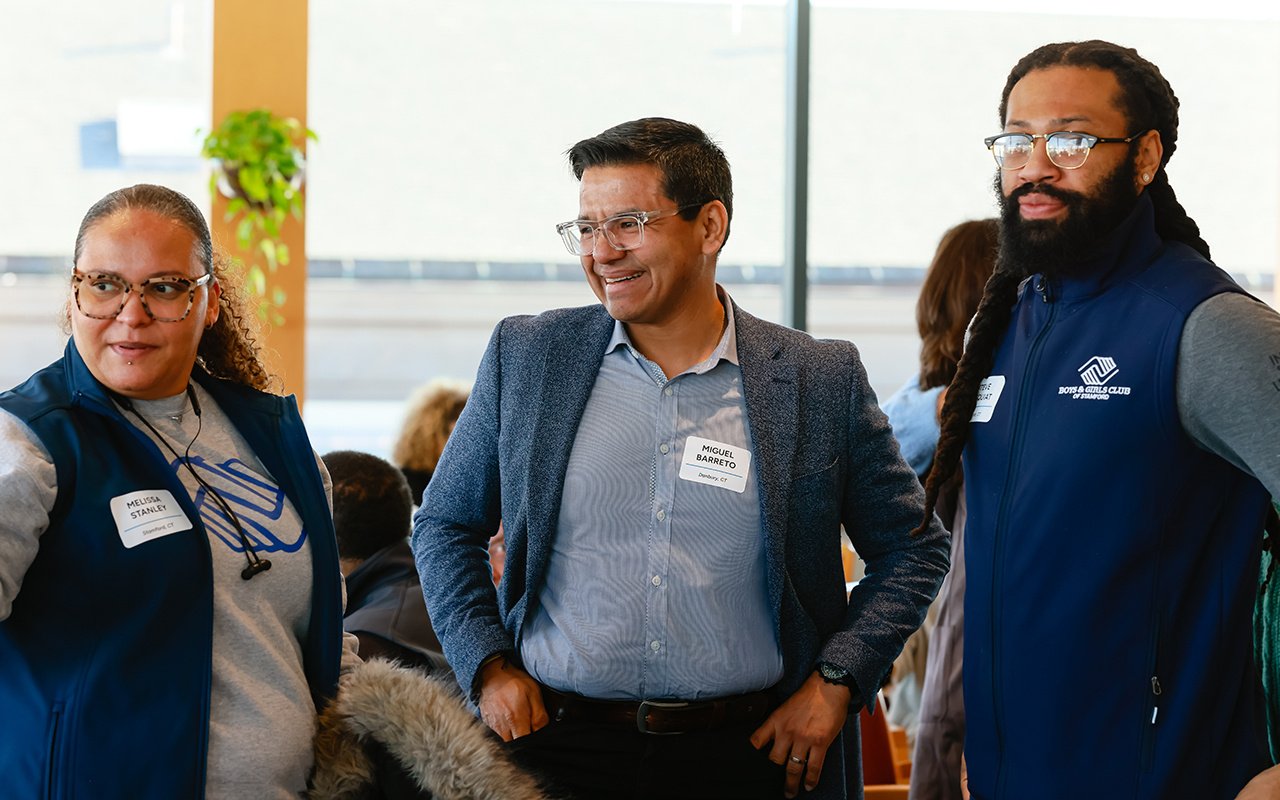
x=440 y=172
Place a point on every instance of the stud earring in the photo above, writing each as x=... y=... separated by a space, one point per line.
x=1146 y=177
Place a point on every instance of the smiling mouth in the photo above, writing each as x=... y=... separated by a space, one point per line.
x=623 y=279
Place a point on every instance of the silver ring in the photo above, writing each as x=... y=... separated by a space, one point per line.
x=797 y=760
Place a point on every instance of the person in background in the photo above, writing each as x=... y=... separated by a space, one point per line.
x=372 y=510
x=170 y=599
x=948 y=299
x=1116 y=410
x=672 y=474
x=431 y=413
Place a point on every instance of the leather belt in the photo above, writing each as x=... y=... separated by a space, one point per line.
x=659 y=716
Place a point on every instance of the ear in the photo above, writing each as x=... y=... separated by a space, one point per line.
x=1147 y=164
x=714 y=222
x=214 y=301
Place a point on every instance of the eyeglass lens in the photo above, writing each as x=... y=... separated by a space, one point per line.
x=104 y=296
x=1067 y=150
x=623 y=233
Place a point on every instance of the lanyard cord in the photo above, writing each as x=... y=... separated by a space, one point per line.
x=255 y=563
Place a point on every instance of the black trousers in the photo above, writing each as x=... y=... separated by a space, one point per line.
x=586 y=761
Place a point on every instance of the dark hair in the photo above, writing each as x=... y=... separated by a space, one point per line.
x=229 y=348
x=371 y=503
x=950 y=294
x=1148 y=102
x=694 y=168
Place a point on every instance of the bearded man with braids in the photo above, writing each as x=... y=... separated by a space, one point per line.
x=1117 y=414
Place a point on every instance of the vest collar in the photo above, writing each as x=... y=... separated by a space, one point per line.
x=85 y=387
x=1123 y=253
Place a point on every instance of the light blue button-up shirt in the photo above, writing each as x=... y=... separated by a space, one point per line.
x=656 y=584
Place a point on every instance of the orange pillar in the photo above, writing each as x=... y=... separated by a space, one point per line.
x=260 y=61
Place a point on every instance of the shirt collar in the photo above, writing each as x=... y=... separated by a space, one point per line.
x=726 y=349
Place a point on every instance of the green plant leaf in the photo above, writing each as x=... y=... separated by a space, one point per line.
x=268 y=248
x=244 y=233
x=260 y=155
x=256 y=281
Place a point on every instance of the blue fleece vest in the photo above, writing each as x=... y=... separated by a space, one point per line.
x=105 y=659
x=1111 y=562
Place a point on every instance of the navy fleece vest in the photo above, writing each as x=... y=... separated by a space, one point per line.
x=105 y=659
x=1111 y=562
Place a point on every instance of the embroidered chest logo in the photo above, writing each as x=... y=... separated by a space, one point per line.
x=1095 y=381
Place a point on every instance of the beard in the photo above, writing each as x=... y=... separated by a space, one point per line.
x=1062 y=248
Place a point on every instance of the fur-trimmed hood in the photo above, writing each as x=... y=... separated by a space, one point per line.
x=424 y=725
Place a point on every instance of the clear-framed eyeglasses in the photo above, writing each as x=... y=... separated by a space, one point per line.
x=165 y=299
x=1066 y=149
x=621 y=231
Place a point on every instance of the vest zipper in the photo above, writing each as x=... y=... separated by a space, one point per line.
x=1044 y=289
x=53 y=787
x=1153 y=719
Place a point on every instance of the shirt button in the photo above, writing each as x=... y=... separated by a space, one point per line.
x=664 y=448
x=657 y=580
x=661 y=515
x=655 y=645
x=668 y=391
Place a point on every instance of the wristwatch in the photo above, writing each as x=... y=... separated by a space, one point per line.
x=832 y=673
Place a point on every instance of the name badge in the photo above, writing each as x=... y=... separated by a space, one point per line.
x=147 y=515
x=715 y=464
x=988 y=395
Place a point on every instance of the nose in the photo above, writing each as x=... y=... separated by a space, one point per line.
x=133 y=313
x=1039 y=167
x=602 y=250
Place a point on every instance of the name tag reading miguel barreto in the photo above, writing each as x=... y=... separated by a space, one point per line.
x=715 y=464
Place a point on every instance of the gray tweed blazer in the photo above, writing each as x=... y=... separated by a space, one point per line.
x=827 y=458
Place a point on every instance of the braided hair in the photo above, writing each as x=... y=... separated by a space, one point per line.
x=1148 y=102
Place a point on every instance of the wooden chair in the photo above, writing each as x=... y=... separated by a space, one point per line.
x=884 y=776
x=901 y=750
x=886 y=791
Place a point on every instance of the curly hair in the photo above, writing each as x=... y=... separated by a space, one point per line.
x=1148 y=102
x=230 y=348
x=429 y=418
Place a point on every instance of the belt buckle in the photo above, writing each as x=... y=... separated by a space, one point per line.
x=642 y=711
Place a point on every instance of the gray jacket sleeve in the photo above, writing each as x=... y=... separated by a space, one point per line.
x=28 y=489
x=882 y=502
x=460 y=512
x=1229 y=383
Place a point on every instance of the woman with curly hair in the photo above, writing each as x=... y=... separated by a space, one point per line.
x=170 y=599
x=432 y=412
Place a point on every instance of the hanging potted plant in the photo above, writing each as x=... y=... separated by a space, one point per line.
x=258 y=164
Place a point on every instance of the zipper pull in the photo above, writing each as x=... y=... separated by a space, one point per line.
x=1155 y=690
x=1044 y=287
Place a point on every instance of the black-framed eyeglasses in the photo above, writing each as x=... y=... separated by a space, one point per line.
x=165 y=299
x=1066 y=149
x=621 y=231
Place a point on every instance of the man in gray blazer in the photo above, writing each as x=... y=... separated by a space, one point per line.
x=672 y=475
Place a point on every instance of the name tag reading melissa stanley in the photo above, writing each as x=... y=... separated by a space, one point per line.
x=715 y=464
x=147 y=515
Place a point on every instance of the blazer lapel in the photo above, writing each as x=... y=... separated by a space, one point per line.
x=569 y=373
x=769 y=385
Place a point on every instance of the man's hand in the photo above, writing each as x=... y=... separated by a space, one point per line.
x=802 y=729
x=1266 y=786
x=510 y=700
